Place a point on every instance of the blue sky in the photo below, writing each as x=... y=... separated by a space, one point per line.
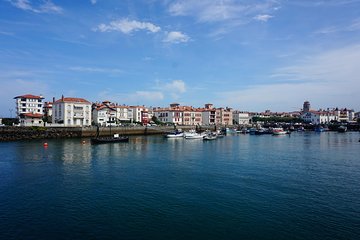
x=246 y=54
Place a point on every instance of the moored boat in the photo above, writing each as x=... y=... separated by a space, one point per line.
x=175 y=134
x=112 y=139
x=278 y=131
x=342 y=129
x=210 y=136
x=192 y=134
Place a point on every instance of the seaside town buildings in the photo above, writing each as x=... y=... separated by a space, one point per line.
x=71 y=111
x=107 y=113
x=187 y=115
x=326 y=116
x=179 y=115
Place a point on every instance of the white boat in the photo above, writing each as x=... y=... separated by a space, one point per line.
x=192 y=134
x=175 y=134
x=278 y=131
x=210 y=137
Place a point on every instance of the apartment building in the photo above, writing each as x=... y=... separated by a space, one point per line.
x=241 y=118
x=29 y=109
x=71 y=111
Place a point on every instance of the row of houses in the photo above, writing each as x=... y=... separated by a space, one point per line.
x=70 y=111
x=327 y=116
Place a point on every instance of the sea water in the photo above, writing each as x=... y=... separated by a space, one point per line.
x=302 y=186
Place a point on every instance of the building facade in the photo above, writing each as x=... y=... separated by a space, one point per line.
x=29 y=104
x=71 y=111
x=241 y=118
x=319 y=117
x=104 y=114
x=217 y=116
x=139 y=114
x=30 y=110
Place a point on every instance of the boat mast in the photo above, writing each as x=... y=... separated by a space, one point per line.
x=109 y=120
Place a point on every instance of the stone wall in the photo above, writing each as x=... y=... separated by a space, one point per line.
x=27 y=133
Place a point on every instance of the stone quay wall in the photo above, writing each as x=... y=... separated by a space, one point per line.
x=28 y=133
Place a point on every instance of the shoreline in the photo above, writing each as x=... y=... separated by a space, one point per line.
x=8 y=134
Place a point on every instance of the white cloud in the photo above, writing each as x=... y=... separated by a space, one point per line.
x=224 y=15
x=95 y=69
x=6 y=33
x=321 y=3
x=45 y=7
x=353 y=26
x=127 y=26
x=144 y=96
x=177 y=86
x=220 y=10
x=263 y=18
x=93 y=2
x=205 y=11
x=329 y=79
x=176 y=37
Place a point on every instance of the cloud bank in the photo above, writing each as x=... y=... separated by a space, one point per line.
x=127 y=26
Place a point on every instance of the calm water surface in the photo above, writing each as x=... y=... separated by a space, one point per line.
x=306 y=186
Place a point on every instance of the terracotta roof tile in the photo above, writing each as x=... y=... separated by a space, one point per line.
x=33 y=115
x=71 y=99
x=29 y=96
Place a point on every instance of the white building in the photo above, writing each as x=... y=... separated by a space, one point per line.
x=29 y=104
x=72 y=112
x=344 y=115
x=123 y=114
x=31 y=119
x=168 y=115
x=138 y=114
x=104 y=114
x=319 y=117
x=241 y=118
x=29 y=110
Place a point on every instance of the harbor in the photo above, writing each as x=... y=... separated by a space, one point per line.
x=302 y=186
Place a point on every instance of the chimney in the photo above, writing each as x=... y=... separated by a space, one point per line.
x=62 y=97
x=53 y=99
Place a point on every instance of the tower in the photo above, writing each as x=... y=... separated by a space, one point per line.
x=306 y=106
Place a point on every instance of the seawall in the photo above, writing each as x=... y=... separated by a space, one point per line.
x=28 y=133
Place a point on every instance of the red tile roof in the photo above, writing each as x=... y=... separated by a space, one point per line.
x=32 y=115
x=103 y=106
x=29 y=96
x=72 y=100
